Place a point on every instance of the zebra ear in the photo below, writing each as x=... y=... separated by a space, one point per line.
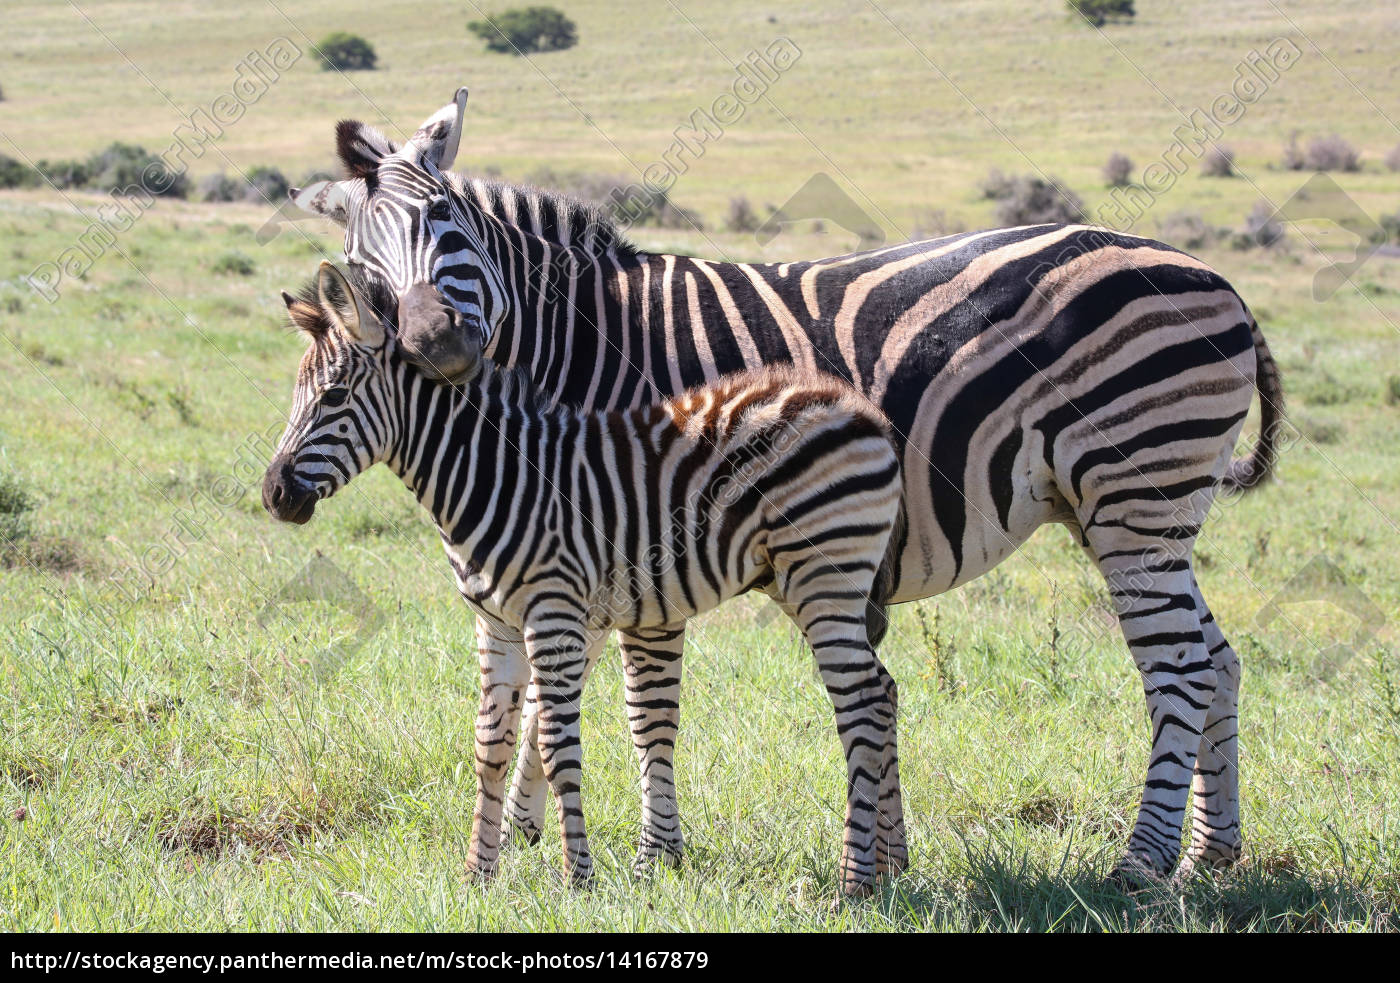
x=305 y=316
x=437 y=140
x=330 y=199
x=346 y=308
x=361 y=148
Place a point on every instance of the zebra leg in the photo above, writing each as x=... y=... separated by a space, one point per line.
x=833 y=622
x=651 y=663
x=1156 y=602
x=528 y=788
x=1215 y=789
x=559 y=664
x=891 y=849
x=504 y=674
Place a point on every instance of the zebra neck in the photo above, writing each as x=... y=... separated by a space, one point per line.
x=460 y=444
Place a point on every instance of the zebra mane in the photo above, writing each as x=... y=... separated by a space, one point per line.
x=552 y=215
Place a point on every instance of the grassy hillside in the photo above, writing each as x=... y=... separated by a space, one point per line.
x=179 y=753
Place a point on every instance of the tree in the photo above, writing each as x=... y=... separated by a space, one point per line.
x=524 y=30
x=344 y=52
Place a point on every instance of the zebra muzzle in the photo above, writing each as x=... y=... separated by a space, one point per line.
x=433 y=338
x=285 y=497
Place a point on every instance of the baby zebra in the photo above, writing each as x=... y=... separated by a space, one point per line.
x=562 y=525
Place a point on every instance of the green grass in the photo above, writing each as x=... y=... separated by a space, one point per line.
x=194 y=764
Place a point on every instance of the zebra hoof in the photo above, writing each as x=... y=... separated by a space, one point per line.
x=580 y=878
x=1132 y=875
x=480 y=873
x=652 y=855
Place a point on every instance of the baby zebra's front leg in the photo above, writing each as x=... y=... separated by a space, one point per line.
x=561 y=652
x=828 y=605
x=504 y=674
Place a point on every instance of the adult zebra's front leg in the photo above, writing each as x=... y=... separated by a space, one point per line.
x=651 y=663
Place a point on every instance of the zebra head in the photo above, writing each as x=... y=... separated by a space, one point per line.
x=341 y=417
x=407 y=226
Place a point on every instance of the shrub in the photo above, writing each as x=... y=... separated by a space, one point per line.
x=1392 y=159
x=16 y=503
x=16 y=173
x=1389 y=229
x=1118 y=171
x=1032 y=200
x=234 y=263
x=1219 y=161
x=63 y=174
x=1187 y=230
x=218 y=187
x=996 y=185
x=266 y=184
x=344 y=52
x=1329 y=153
x=1332 y=153
x=1100 y=12
x=934 y=223
x=1260 y=228
x=123 y=166
x=1292 y=156
x=525 y=30
x=741 y=216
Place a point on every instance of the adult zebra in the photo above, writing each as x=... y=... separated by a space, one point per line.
x=1052 y=373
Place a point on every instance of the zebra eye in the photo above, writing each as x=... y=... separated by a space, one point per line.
x=335 y=396
x=440 y=210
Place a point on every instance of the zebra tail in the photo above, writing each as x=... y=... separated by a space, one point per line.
x=877 y=619
x=1255 y=468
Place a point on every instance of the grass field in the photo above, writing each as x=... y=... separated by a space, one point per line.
x=186 y=746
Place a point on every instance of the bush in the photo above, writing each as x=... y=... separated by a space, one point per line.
x=1389 y=229
x=996 y=185
x=123 y=166
x=1219 y=161
x=218 y=187
x=1118 y=171
x=234 y=263
x=934 y=223
x=1187 y=230
x=1332 y=153
x=1260 y=228
x=1392 y=159
x=63 y=174
x=525 y=30
x=741 y=216
x=344 y=53
x=266 y=184
x=16 y=503
x=16 y=173
x=1031 y=200
x=1100 y=12
x=1329 y=153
